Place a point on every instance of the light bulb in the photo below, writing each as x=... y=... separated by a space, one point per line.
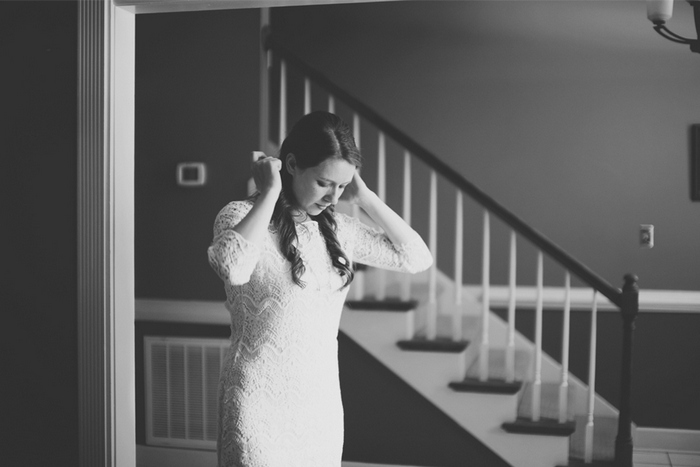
x=659 y=11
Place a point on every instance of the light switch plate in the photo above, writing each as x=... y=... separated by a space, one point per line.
x=190 y=174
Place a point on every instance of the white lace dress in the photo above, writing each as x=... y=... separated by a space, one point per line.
x=279 y=393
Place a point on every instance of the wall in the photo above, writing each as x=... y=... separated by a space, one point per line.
x=196 y=100
x=574 y=115
x=38 y=43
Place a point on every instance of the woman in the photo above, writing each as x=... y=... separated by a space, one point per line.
x=286 y=259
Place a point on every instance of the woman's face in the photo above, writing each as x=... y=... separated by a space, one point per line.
x=316 y=188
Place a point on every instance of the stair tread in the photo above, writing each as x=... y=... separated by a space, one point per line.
x=497 y=365
x=490 y=386
x=549 y=402
x=581 y=463
x=433 y=345
x=382 y=305
x=604 y=435
x=544 y=426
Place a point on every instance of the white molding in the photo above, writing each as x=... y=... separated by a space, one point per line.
x=173 y=6
x=105 y=205
x=667 y=439
x=182 y=311
x=214 y=312
x=150 y=456
x=650 y=301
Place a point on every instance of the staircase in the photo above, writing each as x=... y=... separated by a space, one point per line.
x=496 y=412
x=445 y=341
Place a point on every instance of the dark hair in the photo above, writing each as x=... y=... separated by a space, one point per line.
x=313 y=139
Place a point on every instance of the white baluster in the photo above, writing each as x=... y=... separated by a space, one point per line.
x=564 y=387
x=283 y=102
x=381 y=193
x=537 y=373
x=588 y=451
x=432 y=281
x=459 y=247
x=406 y=284
x=359 y=281
x=510 y=339
x=331 y=106
x=307 y=96
x=485 y=300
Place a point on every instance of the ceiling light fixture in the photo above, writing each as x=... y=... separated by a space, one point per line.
x=660 y=11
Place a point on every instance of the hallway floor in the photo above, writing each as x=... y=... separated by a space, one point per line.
x=644 y=458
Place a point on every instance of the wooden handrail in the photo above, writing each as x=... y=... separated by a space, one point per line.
x=270 y=42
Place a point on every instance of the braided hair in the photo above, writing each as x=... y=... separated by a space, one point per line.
x=314 y=138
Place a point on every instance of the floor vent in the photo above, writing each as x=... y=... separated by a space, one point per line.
x=182 y=377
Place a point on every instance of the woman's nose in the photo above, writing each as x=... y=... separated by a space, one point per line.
x=332 y=196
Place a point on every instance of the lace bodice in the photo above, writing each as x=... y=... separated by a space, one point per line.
x=279 y=393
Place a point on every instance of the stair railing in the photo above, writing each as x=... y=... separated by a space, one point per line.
x=626 y=299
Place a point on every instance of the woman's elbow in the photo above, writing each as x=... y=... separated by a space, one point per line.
x=416 y=265
x=231 y=274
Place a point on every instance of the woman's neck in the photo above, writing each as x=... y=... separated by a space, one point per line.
x=299 y=215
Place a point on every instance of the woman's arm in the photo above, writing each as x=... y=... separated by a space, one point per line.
x=398 y=248
x=266 y=173
x=240 y=229
x=398 y=231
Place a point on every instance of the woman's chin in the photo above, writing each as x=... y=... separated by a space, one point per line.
x=317 y=209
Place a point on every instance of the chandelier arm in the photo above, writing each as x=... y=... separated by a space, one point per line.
x=672 y=36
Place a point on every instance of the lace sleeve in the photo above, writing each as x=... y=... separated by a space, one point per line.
x=232 y=257
x=374 y=248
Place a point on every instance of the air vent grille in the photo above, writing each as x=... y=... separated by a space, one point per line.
x=182 y=377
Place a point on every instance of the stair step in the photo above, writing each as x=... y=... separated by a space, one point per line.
x=545 y=426
x=580 y=463
x=497 y=365
x=490 y=386
x=382 y=305
x=433 y=345
x=549 y=401
x=604 y=435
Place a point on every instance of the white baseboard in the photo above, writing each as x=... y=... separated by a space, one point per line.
x=152 y=456
x=667 y=439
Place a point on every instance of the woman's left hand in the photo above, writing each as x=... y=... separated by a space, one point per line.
x=356 y=191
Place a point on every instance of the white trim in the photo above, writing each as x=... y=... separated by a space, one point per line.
x=182 y=311
x=150 y=456
x=172 y=6
x=214 y=312
x=652 y=301
x=667 y=439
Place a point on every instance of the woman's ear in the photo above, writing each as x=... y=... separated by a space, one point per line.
x=290 y=163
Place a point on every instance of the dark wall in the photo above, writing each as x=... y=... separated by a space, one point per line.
x=574 y=115
x=38 y=46
x=197 y=93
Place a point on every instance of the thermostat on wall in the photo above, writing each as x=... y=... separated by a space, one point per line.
x=191 y=174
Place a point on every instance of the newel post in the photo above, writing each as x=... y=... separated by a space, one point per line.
x=630 y=309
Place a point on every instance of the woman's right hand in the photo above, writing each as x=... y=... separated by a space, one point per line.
x=266 y=174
